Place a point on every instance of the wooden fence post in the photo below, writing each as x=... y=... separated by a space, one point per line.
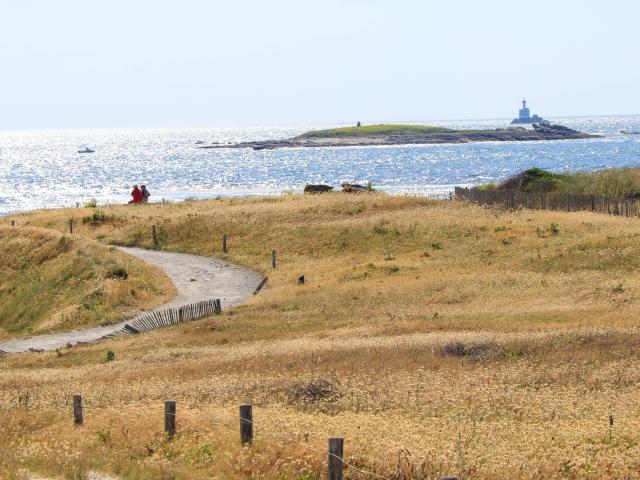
x=246 y=423
x=224 y=243
x=13 y=223
x=335 y=465
x=273 y=259
x=71 y=225
x=78 y=419
x=170 y=418
x=260 y=285
x=154 y=235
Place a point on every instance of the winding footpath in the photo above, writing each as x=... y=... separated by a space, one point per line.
x=196 y=278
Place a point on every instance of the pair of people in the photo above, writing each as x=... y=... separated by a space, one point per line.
x=140 y=195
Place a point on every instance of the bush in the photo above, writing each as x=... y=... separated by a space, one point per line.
x=118 y=272
x=97 y=217
x=478 y=351
x=535 y=180
x=316 y=390
x=93 y=203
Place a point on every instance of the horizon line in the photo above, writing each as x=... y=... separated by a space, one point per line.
x=337 y=123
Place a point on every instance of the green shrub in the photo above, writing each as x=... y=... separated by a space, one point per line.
x=97 y=217
x=380 y=229
x=535 y=180
x=104 y=435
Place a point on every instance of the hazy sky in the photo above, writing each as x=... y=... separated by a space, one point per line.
x=130 y=63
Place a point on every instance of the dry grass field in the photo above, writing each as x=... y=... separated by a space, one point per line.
x=436 y=337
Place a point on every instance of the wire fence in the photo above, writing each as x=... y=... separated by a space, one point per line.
x=557 y=201
x=336 y=462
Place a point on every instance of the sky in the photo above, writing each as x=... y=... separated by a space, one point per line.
x=191 y=63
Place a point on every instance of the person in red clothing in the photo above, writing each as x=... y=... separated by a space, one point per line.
x=137 y=195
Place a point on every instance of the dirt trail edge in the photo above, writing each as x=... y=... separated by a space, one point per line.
x=196 y=279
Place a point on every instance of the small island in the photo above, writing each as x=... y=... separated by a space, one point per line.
x=390 y=134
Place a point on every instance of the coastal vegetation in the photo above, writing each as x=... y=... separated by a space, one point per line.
x=367 y=130
x=51 y=281
x=437 y=337
x=617 y=183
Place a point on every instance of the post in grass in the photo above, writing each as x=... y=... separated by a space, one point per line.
x=170 y=418
x=78 y=418
x=224 y=243
x=246 y=423
x=71 y=225
x=154 y=235
x=335 y=454
x=273 y=259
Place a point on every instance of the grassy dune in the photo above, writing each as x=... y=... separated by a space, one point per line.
x=449 y=339
x=51 y=281
x=617 y=183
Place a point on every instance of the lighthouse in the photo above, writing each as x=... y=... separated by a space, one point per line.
x=524 y=115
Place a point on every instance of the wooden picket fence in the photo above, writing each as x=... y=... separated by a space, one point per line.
x=564 y=202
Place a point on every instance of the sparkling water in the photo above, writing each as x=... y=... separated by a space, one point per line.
x=42 y=169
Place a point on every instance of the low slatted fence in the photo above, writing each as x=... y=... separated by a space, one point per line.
x=163 y=318
x=169 y=316
x=565 y=202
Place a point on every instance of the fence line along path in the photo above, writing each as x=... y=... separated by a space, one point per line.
x=558 y=201
x=200 y=281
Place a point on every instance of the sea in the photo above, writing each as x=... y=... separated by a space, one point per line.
x=43 y=169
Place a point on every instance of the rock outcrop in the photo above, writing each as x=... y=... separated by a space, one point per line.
x=317 y=188
x=355 y=188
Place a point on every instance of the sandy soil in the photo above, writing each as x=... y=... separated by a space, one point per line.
x=196 y=279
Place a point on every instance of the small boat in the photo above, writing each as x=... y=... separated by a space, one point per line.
x=86 y=150
x=632 y=132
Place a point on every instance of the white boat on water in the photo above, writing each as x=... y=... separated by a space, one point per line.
x=86 y=150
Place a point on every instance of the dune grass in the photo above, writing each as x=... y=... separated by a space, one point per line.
x=456 y=340
x=616 y=183
x=372 y=130
x=51 y=281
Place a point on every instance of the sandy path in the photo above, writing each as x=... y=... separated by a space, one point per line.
x=196 y=279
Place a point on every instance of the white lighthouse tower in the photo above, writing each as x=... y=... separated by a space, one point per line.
x=524 y=115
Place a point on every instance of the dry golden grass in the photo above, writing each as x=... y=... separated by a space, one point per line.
x=457 y=339
x=51 y=281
